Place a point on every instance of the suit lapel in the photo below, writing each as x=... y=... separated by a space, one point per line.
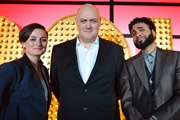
x=159 y=67
x=140 y=69
x=103 y=48
x=72 y=53
x=46 y=79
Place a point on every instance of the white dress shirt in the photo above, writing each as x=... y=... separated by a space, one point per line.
x=86 y=58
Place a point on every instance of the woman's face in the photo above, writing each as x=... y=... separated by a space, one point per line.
x=36 y=44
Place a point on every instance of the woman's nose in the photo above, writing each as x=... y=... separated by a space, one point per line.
x=38 y=42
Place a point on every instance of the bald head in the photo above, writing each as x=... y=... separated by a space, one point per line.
x=88 y=8
x=88 y=22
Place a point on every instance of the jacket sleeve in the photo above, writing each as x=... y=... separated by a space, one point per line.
x=7 y=83
x=128 y=108
x=171 y=109
x=53 y=74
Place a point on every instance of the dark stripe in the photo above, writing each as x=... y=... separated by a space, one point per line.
x=127 y=35
x=174 y=36
x=94 y=3
x=111 y=11
x=111 y=3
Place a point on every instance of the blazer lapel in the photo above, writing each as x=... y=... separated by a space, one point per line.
x=140 y=69
x=103 y=48
x=46 y=79
x=72 y=53
x=159 y=67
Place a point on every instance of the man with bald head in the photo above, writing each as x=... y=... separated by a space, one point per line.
x=85 y=72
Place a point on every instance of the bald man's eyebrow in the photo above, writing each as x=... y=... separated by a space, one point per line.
x=83 y=20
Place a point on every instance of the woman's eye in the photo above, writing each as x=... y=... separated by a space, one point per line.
x=43 y=40
x=32 y=39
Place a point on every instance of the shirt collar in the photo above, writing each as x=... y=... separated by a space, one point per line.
x=96 y=42
x=153 y=53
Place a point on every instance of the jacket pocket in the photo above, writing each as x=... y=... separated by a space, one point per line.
x=22 y=94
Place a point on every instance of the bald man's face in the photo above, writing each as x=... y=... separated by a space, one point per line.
x=88 y=22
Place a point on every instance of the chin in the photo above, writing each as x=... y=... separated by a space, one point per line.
x=39 y=54
x=89 y=38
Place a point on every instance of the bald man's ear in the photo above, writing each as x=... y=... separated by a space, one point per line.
x=76 y=20
x=100 y=22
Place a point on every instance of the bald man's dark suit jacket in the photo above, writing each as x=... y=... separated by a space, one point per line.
x=135 y=92
x=98 y=98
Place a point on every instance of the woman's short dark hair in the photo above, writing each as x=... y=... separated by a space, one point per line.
x=27 y=30
x=145 y=20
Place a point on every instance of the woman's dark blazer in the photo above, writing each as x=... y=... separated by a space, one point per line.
x=21 y=91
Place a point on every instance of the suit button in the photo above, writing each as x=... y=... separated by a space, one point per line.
x=85 y=108
x=85 y=90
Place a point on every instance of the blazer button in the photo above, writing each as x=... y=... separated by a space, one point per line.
x=85 y=108
x=85 y=90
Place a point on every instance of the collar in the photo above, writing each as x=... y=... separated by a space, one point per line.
x=153 y=53
x=27 y=60
x=78 y=43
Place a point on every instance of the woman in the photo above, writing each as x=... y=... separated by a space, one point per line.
x=25 y=93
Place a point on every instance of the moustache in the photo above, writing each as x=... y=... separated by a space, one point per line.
x=138 y=39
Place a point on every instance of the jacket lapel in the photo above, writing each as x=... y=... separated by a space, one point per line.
x=140 y=69
x=46 y=79
x=72 y=53
x=103 y=48
x=159 y=67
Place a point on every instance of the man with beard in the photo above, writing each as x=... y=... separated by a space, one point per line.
x=150 y=81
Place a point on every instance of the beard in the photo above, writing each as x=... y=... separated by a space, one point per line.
x=142 y=45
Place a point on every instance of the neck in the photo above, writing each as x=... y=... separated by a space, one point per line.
x=36 y=65
x=87 y=43
x=150 y=48
x=34 y=61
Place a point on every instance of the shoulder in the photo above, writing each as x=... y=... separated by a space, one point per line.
x=10 y=67
x=110 y=44
x=168 y=52
x=19 y=65
x=131 y=59
x=64 y=44
x=6 y=66
x=12 y=63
